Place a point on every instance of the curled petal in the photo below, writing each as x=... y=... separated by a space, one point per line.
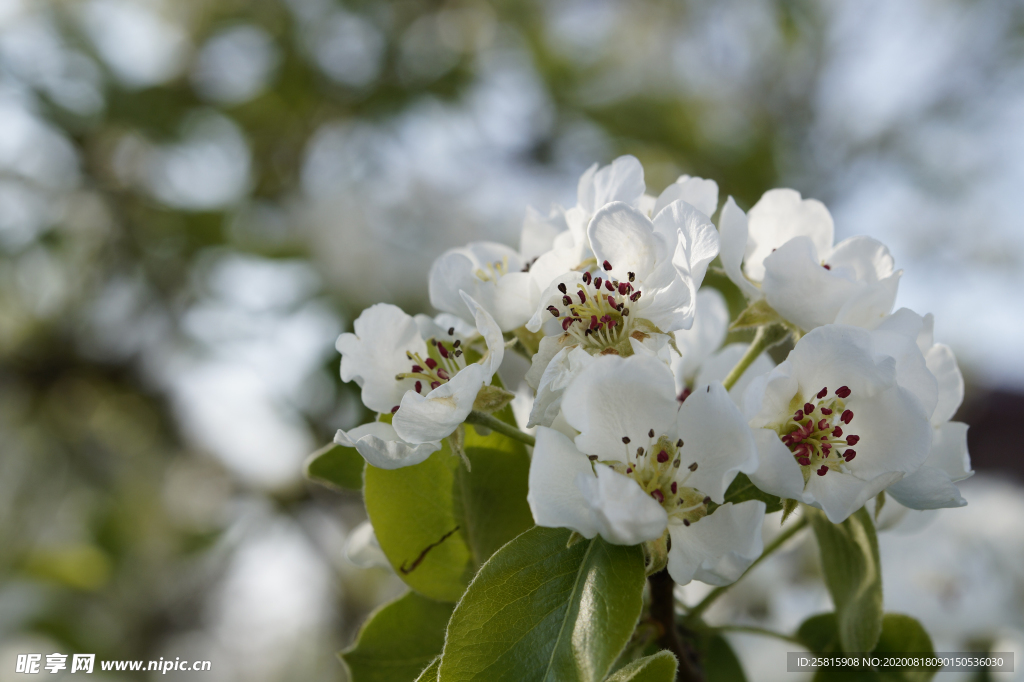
x=381 y=446
x=718 y=548
x=429 y=418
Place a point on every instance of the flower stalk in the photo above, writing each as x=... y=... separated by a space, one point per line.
x=663 y=613
x=767 y=336
x=495 y=424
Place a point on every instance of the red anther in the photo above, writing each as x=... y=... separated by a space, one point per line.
x=849 y=455
x=632 y=276
x=566 y=300
x=826 y=411
x=419 y=386
x=623 y=288
x=826 y=266
x=553 y=310
x=838 y=431
x=395 y=409
x=843 y=392
x=609 y=286
x=431 y=363
x=675 y=487
x=635 y=297
x=611 y=323
x=582 y=295
x=586 y=278
x=798 y=416
x=846 y=417
x=629 y=470
x=822 y=471
x=852 y=440
x=662 y=457
x=442 y=350
x=803 y=461
x=611 y=301
x=808 y=408
x=597 y=282
x=684 y=395
x=434 y=384
x=566 y=322
x=658 y=495
x=561 y=287
x=822 y=393
x=443 y=374
x=822 y=424
x=593 y=321
x=786 y=440
x=686 y=522
x=416 y=369
x=606 y=265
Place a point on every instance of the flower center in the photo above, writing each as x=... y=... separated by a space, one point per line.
x=444 y=359
x=655 y=467
x=596 y=314
x=493 y=271
x=814 y=433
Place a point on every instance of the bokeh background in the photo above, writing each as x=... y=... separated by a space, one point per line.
x=198 y=196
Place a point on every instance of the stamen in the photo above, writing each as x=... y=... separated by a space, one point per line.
x=592 y=458
x=419 y=386
x=808 y=408
x=607 y=266
x=679 y=443
x=674 y=487
x=625 y=439
x=692 y=467
x=561 y=287
x=662 y=457
x=650 y=434
x=852 y=440
x=431 y=363
x=822 y=393
x=846 y=417
x=632 y=277
x=849 y=454
x=658 y=495
x=395 y=409
x=823 y=470
x=843 y=392
x=586 y=278
x=451 y=331
x=686 y=522
x=597 y=282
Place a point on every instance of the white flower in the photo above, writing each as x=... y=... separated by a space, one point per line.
x=418 y=370
x=643 y=462
x=934 y=484
x=494 y=275
x=649 y=289
x=782 y=251
x=700 y=193
x=702 y=359
x=382 y=447
x=843 y=418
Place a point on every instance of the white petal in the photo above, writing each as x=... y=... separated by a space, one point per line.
x=437 y=327
x=732 y=227
x=382 y=447
x=838 y=355
x=700 y=193
x=667 y=300
x=699 y=342
x=800 y=289
x=622 y=180
x=657 y=346
x=623 y=236
x=620 y=397
x=623 y=512
x=510 y=302
x=567 y=492
x=840 y=494
x=933 y=485
x=697 y=244
x=777 y=472
x=912 y=372
x=718 y=548
x=563 y=368
x=716 y=437
x=514 y=300
x=781 y=215
x=548 y=348
x=872 y=304
x=493 y=338
x=718 y=366
x=423 y=419
x=362 y=548
x=864 y=258
x=376 y=352
x=538 y=233
x=942 y=363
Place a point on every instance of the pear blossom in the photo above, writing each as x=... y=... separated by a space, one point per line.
x=419 y=371
x=494 y=275
x=646 y=286
x=843 y=418
x=934 y=484
x=700 y=193
x=702 y=358
x=644 y=464
x=783 y=252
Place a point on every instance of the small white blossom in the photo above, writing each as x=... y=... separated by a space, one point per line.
x=783 y=251
x=643 y=462
x=843 y=418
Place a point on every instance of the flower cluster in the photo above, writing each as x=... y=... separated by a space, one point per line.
x=644 y=416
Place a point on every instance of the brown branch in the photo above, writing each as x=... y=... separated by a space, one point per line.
x=406 y=570
x=663 y=612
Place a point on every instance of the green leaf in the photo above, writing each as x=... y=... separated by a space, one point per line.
x=437 y=522
x=900 y=635
x=539 y=610
x=661 y=667
x=429 y=673
x=757 y=314
x=849 y=561
x=742 y=489
x=336 y=467
x=720 y=661
x=398 y=640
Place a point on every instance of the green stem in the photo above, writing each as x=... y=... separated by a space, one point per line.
x=495 y=424
x=781 y=538
x=766 y=337
x=759 y=631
